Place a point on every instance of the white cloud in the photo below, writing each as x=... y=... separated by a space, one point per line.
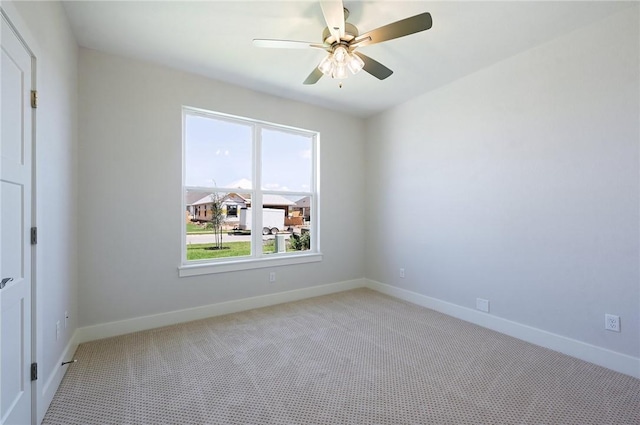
x=275 y=186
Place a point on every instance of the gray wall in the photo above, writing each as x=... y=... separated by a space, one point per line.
x=46 y=29
x=130 y=190
x=519 y=184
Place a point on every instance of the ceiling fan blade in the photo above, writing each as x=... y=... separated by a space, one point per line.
x=374 y=67
x=313 y=78
x=333 y=11
x=285 y=44
x=396 y=29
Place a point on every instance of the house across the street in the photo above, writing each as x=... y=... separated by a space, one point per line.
x=201 y=210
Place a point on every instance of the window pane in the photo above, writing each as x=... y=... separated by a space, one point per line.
x=300 y=224
x=285 y=223
x=286 y=161
x=218 y=153
x=213 y=231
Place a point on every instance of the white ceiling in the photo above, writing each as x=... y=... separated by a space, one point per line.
x=214 y=38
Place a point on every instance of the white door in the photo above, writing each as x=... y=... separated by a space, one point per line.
x=15 y=203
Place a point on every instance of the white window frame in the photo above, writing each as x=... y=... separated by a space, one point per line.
x=257 y=259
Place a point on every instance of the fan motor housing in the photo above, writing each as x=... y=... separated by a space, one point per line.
x=350 y=32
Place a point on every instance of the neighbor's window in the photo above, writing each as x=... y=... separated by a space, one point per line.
x=250 y=195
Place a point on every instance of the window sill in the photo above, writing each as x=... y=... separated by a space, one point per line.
x=249 y=264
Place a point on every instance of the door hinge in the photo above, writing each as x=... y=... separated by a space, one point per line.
x=34 y=371
x=34 y=99
x=34 y=235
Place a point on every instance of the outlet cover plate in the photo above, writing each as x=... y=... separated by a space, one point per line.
x=612 y=322
x=482 y=305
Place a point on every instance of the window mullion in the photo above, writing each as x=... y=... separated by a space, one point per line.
x=256 y=197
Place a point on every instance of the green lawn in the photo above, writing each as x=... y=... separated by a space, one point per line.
x=196 y=228
x=230 y=249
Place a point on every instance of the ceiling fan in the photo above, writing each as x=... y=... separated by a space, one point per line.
x=341 y=39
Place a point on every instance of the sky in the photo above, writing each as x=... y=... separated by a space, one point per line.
x=218 y=153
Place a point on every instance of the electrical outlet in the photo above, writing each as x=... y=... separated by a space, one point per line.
x=66 y=319
x=57 y=329
x=272 y=277
x=402 y=273
x=612 y=322
x=482 y=305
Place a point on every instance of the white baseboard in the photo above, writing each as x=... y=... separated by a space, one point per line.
x=601 y=356
x=55 y=377
x=90 y=333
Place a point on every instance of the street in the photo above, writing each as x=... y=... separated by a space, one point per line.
x=210 y=238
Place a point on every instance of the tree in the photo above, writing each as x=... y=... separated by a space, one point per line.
x=217 y=219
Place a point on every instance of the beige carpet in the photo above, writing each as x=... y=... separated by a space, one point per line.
x=357 y=357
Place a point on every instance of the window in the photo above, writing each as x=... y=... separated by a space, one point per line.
x=249 y=178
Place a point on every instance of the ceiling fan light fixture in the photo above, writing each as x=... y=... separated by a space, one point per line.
x=355 y=64
x=326 y=65
x=340 y=54
x=340 y=72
